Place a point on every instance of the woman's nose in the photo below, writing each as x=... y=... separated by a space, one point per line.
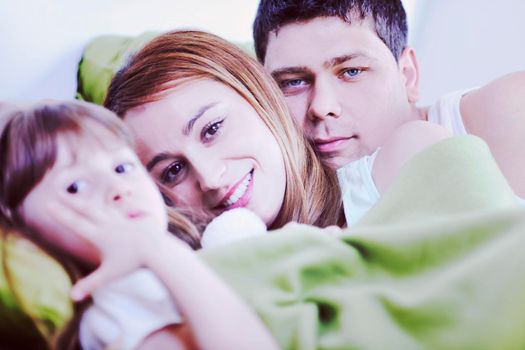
x=210 y=173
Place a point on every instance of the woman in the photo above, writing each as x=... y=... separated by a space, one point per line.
x=214 y=131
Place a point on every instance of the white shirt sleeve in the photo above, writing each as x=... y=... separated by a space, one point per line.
x=358 y=189
x=126 y=311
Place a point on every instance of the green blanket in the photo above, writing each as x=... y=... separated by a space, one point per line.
x=437 y=264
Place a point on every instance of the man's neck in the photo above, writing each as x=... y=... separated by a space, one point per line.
x=420 y=113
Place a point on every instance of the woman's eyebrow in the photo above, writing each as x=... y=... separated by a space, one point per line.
x=189 y=125
x=157 y=159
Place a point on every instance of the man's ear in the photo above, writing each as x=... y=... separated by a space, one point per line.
x=409 y=70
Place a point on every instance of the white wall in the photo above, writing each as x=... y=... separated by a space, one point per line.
x=466 y=43
x=41 y=41
x=460 y=43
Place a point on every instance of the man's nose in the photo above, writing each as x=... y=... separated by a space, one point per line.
x=324 y=102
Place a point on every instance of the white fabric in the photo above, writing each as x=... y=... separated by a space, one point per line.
x=231 y=226
x=358 y=189
x=446 y=112
x=127 y=310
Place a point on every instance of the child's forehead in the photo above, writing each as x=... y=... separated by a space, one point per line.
x=71 y=144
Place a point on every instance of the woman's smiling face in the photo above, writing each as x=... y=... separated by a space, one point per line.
x=206 y=146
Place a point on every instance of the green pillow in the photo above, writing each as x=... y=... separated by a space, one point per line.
x=106 y=54
x=102 y=58
x=35 y=305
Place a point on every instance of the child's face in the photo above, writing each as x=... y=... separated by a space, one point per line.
x=98 y=179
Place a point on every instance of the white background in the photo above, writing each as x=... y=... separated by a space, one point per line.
x=460 y=43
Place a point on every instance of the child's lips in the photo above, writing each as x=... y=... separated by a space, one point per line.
x=136 y=214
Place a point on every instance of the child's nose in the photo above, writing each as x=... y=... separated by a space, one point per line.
x=119 y=192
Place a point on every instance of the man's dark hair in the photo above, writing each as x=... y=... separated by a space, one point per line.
x=389 y=18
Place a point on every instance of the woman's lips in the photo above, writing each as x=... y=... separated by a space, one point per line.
x=239 y=195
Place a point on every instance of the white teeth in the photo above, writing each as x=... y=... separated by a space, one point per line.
x=239 y=191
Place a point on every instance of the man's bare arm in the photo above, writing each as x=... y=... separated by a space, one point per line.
x=496 y=113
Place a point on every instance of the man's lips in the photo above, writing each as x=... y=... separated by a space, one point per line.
x=331 y=144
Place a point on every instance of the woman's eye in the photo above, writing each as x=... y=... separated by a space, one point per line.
x=124 y=168
x=172 y=173
x=211 y=130
x=76 y=187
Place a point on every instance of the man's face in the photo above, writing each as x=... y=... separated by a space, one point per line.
x=342 y=84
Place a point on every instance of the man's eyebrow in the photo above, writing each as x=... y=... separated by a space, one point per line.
x=189 y=125
x=341 y=59
x=157 y=159
x=277 y=73
x=289 y=70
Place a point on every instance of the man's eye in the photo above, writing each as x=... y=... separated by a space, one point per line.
x=294 y=82
x=124 y=168
x=172 y=173
x=352 y=72
x=76 y=187
x=292 y=86
x=211 y=130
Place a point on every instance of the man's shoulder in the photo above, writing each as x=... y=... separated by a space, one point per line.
x=500 y=100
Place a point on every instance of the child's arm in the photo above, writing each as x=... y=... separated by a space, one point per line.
x=408 y=140
x=214 y=313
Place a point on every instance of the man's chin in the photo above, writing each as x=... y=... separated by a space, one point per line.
x=335 y=162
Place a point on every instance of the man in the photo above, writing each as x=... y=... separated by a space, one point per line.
x=350 y=80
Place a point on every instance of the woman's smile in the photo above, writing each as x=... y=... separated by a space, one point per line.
x=208 y=149
x=239 y=194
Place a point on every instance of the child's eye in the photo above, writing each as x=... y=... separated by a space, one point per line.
x=210 y=130
x=76 y=187
x=172 y=173
x=124 y=168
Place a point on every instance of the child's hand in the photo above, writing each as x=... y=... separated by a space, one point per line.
x=124 y=242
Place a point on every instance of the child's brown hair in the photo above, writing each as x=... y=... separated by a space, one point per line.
x=28 y=149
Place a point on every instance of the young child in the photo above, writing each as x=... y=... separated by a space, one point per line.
x=72 y=184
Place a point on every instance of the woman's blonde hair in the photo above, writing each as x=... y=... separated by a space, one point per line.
x=312 y=193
